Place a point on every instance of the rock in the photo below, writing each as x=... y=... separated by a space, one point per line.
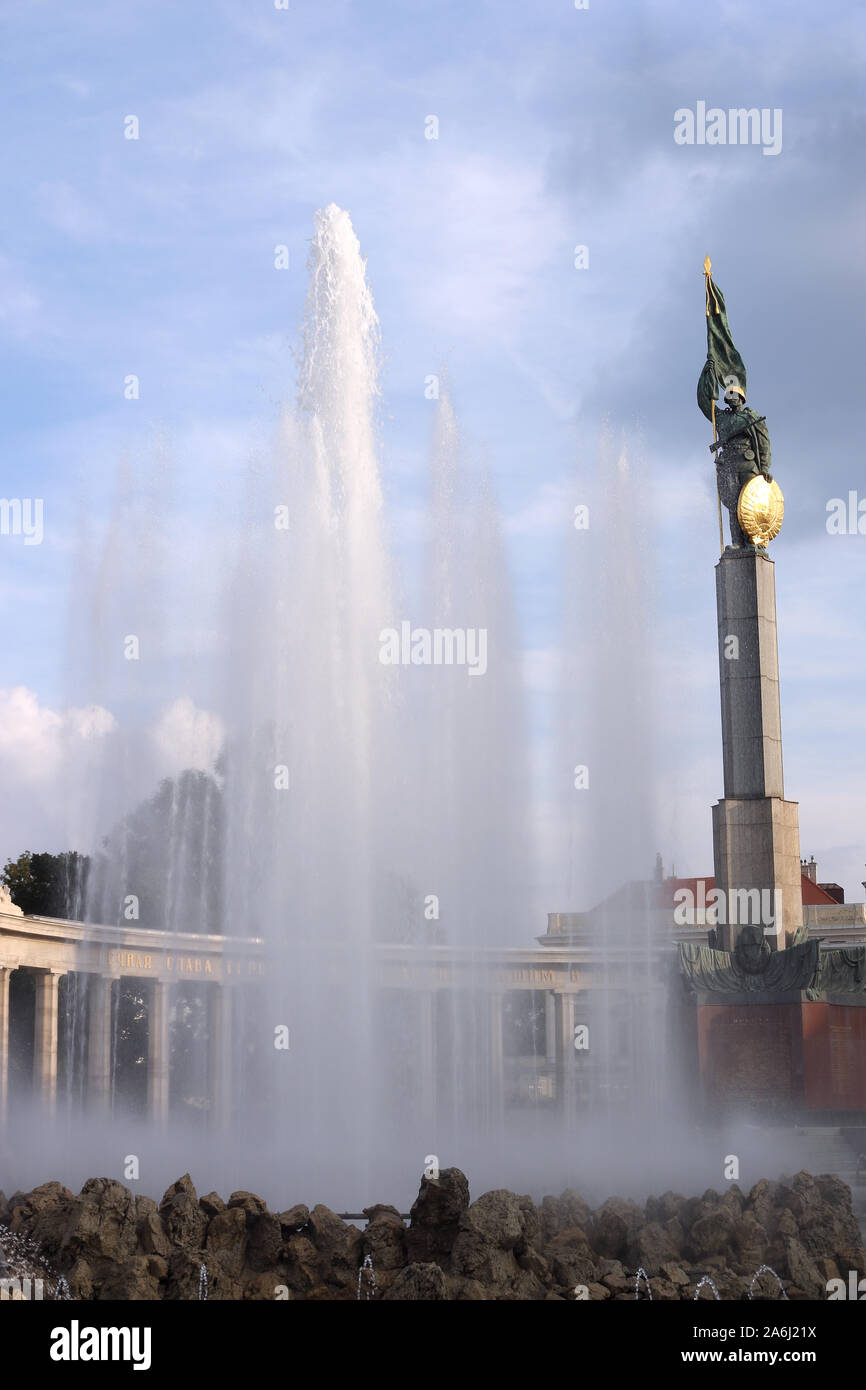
x=338 y=1247
x=761 y=1202
x=295 y=1219
x=488 y=1232
x=422 y=1282
x=527 y=1287
x=435 y=1215
x=264 y=1286
x=24 y=1206
x=464 y=1290
x=226 y=1243
x=384 y=1239
x=804 y=1272
x=572 y=1259
x=749 y=1240
x=563 y=1213
x=733 y=1201
x=651 y=1247
x=248 y=1202
x=265 y=1241
x=152 y=1237
x=184 y=1278
x=530 y=1223
x=102 y=1223
x=613 y=1225
x=536 y=1264
x=80 y=1280
x=303 y=1265
x=675 y=1273
x=132 y=1279
x=183 y=1219
x=211 y=1204
x=710 y=1234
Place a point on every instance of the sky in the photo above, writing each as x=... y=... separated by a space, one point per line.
x=554 y=126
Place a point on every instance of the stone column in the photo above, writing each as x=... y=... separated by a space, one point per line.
x=47 y=1022
x=157 y=1052
x=99 y=1043
x=5 y=974
x=756 y=837
x=221 y=1043
x=565 y=1059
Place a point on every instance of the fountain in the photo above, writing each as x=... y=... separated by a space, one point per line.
x=367 y=1269
x=765 y=1269
x=327 y=803
x=707 y=1279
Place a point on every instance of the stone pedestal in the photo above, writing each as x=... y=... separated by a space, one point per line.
x=756 y=837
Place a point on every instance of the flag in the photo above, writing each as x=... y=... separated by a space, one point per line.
x=722 y=357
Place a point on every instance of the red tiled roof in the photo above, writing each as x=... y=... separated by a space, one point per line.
x=813 y=896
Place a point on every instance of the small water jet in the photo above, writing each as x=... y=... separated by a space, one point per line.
x=707 y=1279
x=367 y=1268
x=202 y=1283
x=765 y=1269
x=23 y=1264
x=642 y=1274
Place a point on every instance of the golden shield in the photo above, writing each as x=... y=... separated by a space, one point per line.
x=761 y=510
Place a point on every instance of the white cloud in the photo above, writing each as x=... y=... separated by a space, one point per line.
x=187 y=737
x=43 y=754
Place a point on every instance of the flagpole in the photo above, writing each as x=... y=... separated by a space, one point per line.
x=708 y=265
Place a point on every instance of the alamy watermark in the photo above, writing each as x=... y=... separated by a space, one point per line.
x=439 y=646
x=737 y=126
x=846 y=518
x=22 y=516
x=740 y=907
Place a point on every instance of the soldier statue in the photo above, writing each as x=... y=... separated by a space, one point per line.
x=742 y=452
x=741 y=442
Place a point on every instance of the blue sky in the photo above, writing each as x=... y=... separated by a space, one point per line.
x=155 y=257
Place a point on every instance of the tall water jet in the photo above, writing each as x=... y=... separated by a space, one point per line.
x=309 y=759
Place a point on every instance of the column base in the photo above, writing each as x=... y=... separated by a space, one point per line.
x=756 y=854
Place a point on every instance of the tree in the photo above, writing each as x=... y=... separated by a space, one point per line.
x=48 y=885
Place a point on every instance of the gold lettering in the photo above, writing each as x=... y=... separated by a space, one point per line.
x=197 y=966
x=168 y=962
x=208 y=969
x=148 y=962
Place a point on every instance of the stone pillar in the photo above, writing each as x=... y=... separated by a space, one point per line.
x=5 y=974
x=756 y=838
x=99 y=1043
x=47 y=1021
x=221 y=1043
x=565 y=1059
x=157 y=1052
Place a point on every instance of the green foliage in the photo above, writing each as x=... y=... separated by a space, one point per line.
x=48 y=885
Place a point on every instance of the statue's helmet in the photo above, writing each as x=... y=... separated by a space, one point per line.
x=734 y=393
